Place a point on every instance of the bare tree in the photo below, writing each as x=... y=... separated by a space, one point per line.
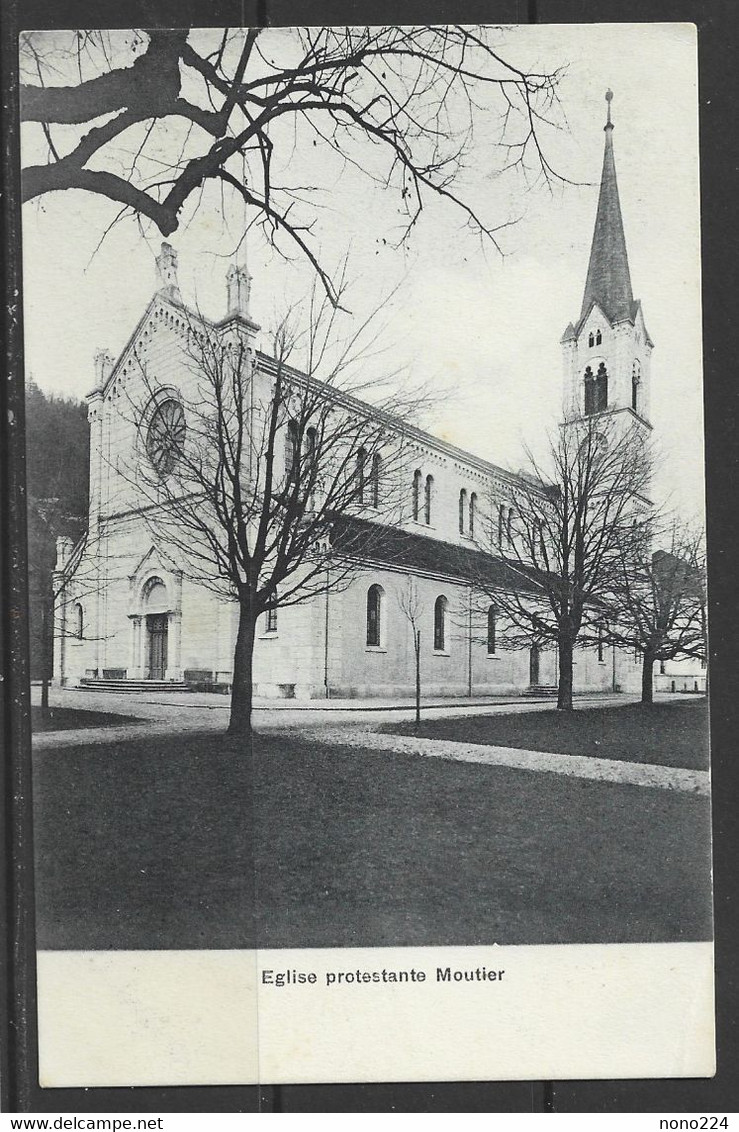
x=48 y=520
x=152 y=119
x=564 y=535
x=267 y=483
x=62 y=573
x=413 y=609
x=659 y=606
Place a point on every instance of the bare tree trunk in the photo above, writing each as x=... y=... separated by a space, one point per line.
x=241 y=687
x=564 y=689
x=647 y=681
x=417 y=647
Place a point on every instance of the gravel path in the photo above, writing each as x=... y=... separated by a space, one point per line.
x=573 y=766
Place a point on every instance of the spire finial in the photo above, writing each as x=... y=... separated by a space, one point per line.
x=609 y=99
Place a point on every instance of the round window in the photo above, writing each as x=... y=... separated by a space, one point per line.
x=165 y=436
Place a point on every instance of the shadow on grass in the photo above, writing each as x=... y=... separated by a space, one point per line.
x=666 y=734
x=73 y=719
x=177 y=842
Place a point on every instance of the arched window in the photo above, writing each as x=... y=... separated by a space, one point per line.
x=591 y=340
x=428 y=500
x=78 y=622
x=440 y=608
x=491 y=630
x=416 y=494
x=311 y=446
x=589 y=392
x=473 y=509
x=462 y=509
x=156 y=597
x=270 y=616
x=635 y=383
x=374 y=616
x=509 y=527
x=360 y=474
x=598 y=337
x=292 y=450
x=501 y=523
x=601 y=641
x=540 y=544
x=601 y=389
x=375 y=480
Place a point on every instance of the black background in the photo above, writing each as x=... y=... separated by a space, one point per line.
x=718 y=40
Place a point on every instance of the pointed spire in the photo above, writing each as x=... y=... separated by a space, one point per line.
x=608 y=282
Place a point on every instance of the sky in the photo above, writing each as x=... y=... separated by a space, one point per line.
x=482 y=327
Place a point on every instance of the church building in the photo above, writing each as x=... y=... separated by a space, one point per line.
x=131 y=616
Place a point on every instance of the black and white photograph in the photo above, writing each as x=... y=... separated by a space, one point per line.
x=368 y=609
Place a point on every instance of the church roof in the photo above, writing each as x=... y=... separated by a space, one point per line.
x=609 y=282
x=394 y=546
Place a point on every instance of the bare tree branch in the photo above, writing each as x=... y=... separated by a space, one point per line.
x=415 y=94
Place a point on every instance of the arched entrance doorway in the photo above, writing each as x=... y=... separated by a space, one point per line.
x=534 y=659
x=156 y=606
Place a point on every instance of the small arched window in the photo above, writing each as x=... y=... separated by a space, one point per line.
x=540 y=545
x=78 y=622
x=591 y=340
x=270 y=616
x=462 y=509
x=509 y=527
x=473 y=510
x=598 y=337
x=492 y=616
x=589 y=391
x=416 y=494
x=375 y=480
x=311 y=446
x=501 y=523
x=601 y=389
x=360 y=474
x=292 y=450
x=428 y=499
x=440 y=608
x=635 y=383
x=374 y=616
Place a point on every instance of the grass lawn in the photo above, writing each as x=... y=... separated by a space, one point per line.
x=148 y=844
x=668 y=734
x=70 y=719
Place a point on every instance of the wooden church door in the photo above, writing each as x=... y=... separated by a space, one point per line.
x=156 y=623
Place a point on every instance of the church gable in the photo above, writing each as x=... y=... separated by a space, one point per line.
x=594 y=327
x=641 y=327
x=156 y=574
x=162 y=334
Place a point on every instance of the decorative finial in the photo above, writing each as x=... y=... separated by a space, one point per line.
x=609 y=98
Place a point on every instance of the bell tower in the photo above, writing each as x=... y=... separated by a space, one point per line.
x=606 y=353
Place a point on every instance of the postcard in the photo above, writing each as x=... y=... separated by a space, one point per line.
x=366 y=554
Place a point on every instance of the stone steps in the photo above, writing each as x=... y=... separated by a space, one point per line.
x=541 y=690
x=91 y=684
